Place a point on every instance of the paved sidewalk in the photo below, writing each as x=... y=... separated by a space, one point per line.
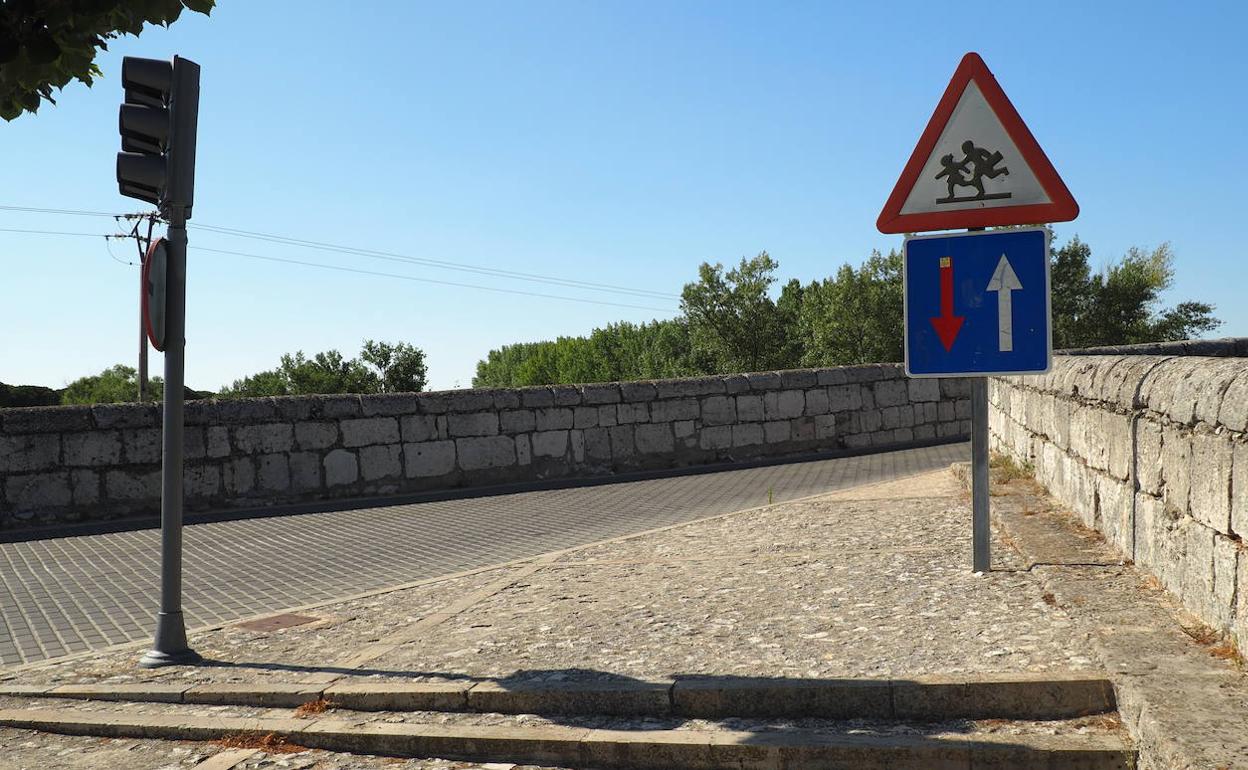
x=72 y=594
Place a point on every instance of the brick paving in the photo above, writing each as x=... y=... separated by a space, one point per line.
x=65 y=595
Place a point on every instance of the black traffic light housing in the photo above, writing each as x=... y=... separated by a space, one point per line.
x=158 y=123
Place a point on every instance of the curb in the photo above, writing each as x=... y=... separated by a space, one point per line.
x=936 y=698
x=580 y=747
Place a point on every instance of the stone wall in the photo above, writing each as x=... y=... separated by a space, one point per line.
x=1151 y=451
x=73 y=463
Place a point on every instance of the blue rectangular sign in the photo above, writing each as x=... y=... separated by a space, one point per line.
x=977 y=303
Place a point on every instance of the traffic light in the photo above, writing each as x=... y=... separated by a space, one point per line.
x=158 y=125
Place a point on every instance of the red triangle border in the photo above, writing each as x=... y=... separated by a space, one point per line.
x=1061 y=208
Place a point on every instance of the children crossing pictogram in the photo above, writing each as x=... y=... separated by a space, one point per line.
x=982 y=164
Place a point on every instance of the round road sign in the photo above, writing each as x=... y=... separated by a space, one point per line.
x=155 y=267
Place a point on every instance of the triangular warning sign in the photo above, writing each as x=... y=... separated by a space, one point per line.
x=976 y=165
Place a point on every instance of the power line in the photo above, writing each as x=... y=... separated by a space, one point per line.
x=69 y=212
x=59 y=232
x=430 y=280
x=441 y=263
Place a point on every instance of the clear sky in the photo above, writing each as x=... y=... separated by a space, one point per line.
x=616 y=143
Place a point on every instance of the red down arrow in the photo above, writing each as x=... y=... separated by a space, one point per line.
x=947 y=324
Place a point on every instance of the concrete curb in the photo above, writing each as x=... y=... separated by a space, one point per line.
x=1010 y=696
x=579 y=747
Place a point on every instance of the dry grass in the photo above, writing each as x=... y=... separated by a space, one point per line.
x=270 y=742
x=1003 y=469
x=1227 y=651
x=319 y=706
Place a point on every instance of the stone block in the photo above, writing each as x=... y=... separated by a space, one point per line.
x=924 y=432
x=550 y=443
x=470 y=400
x=342 y=467
x=273 y=472
x=1176 y=468
x=510 y=421
x=249 y=411
x=1210 y=497
x=1116 y=439
x=857 y=441
x=736 y=383
x=944 y=411
x=238 y=476
x=831 y=377
x=217 y=441
x=316 y=435
x=684 y=428
x=597 y=444
x=576 y=440
x=46 y=419
x=632 y=413
x=817 y=401
x=1114 y=500
x=41 y=491
x=193 y=445
x=305 y=471
x=485 y=452
x=429 y=459
x=607 y=415
x=656 y=439
x=825 y=426
x=924 y=390
x=890 y=417
x=584 y=417
x=719 y=410
x=622 y=441
x=958 y=387
x=141 y=445
x=763 y=381
x=553 y=418
x=472 y=424
x=566 y=395
x=601 y=393
x=1227 y=561
x=962 y=409
x=716 y=437
x=506 y=398
x=890 y=393
x=433 y=403
x=388 y=404
x=536 y=397
x=1233 y=412
x=125 y=415
x=802 y=429
x=638 y=391
x=85 y=486
x=870 y=420
x=29 y=452
x=798 y=378
x=129 y=485
x=843 y=398
x=750 y=408
x=784 y=404
x=202 y=481
x=776 y=432
x=524 y=450
x=670 y=410
x=689 y=387
x=370 y=430
x=422 y=427
x=381 y=462
x=747 y=434
x=264 y=438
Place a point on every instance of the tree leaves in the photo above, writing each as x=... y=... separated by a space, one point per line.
x=46 y=45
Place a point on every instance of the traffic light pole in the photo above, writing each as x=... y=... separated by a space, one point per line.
x=171 y=648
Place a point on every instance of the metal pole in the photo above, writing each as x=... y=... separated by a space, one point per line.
x=981 y=529
x=170 y=647
x=142 y=336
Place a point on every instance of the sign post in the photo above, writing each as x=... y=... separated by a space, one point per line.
x=977 y=303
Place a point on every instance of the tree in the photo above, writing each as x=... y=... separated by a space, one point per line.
x=44 y=44
x=855 y=317
x=733 y=320
x=1122 y=304
x=28 y=395
x=381 y=368
x=400 y=368
x=114 y=385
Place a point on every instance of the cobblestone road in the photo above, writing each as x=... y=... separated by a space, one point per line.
x=65 y=595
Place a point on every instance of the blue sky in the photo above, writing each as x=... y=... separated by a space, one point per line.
x=614 y=143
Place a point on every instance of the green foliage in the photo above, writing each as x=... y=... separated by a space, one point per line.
x=1121 y=305
x=731 y=324
x=855 y=317
x=44 y=44
x=113 y=385
x=621 y=351
x=381 y=368
x=28 y=395
x=734 y=321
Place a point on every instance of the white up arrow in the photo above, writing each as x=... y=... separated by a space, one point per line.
x=1004 y=282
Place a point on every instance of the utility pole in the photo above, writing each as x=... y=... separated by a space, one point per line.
x=158 y=124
